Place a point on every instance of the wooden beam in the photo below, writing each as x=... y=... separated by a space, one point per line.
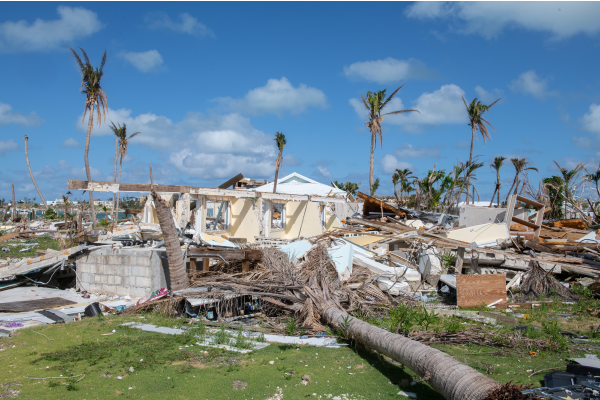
x=530 y=202
x=205 y=264
x=229 y=254
x=526 y=223
x=231 y=181
x=193 y=266
x=245 y=265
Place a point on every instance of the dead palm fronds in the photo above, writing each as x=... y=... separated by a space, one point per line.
x=281 y=142
x=540 y=283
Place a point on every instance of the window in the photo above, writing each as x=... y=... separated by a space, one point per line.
x=217 y=215
x=277 y=216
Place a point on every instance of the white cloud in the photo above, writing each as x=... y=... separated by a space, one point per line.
x=74 y=23
x=443 y=106
x=9 y=116
x=188 y=24
x=530 y=83
x=71 y=142
x=277 y=97
x=486 y=96
x=388 y=70
x=145 y=61
x=407 y=150
x=216 y=146
x=488 y=19
x=8 y=145
x=391 y=164
x=591 y=120
x=323 y=172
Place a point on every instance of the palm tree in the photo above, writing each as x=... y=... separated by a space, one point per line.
x=395 y=181
x=594 y=177
x=121 y=134
x=374 y=187
x=568 y=177
x=66 y=203
x=95 y=100
x=375 y=103
x=475 y=110
x=281 y=142
x=521 y=166
x=497 y=164
x=115 y=177
x=403 y=175
x=31 y=174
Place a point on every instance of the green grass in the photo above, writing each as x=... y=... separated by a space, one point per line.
x=172 y=370
x=43 y=243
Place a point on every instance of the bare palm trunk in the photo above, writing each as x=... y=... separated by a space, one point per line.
x=31 y=174
x=499 y=185
x=470 y=160
x=14 y=204
x=493 y=195
x=277 y=165
x=115 y=178
x=119 y=192
x=453 y=379
x=177 y=274
x=373 y=137
x=511 y=187
x=87 y=163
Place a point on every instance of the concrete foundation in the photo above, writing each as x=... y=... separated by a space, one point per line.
x=133 y=272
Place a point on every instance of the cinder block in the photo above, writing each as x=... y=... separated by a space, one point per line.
x=99 y=269
x=138 y=292
x=138 y=271
x=125 y=280
x=143 y=260
x=124 y=270
x=114 y=260
x=142 y=281
x=110 y=279
x=97 y=279
x=82 y=267
x=118 y=280
x=110 y=269
x=86 y=277
x=103 y=279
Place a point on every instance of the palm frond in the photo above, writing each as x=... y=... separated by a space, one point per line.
x=365 y=102
x=490 y=106
x=401 y=112
x=133 y=135
x=87 y=60
x=81 y=67
x=489 y=124
x=102 y=63
x=391 y=95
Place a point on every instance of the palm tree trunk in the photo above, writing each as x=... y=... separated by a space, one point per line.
x=453 y=379
x=14 y=204
x=119 y=192
x=115 y=178
x=499 y=191
x=87 y=163
x=511 y=187
x=277 y=164
x=177 y=274
x=494 y=195
x=470 y=160
x=31 y=174
x=373 y=137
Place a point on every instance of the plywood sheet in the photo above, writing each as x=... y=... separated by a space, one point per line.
x=473 y=290
x=31 y=305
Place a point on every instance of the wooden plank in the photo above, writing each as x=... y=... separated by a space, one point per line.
x=526 y=223
x=193 y=266
x=9 y=236
x=233 y=254
x=231 y=181
x=530 y=202
x=473 y=290
x=205 y=264
x=32 y=305
x=460 y=257
x=245 y=265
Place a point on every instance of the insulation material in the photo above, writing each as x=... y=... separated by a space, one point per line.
x=342 y=256
x=295 y=250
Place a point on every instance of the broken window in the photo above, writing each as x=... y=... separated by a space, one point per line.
x=277 y=216
x=217 y=215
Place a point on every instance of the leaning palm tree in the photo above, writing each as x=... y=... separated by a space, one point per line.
x=115 y=173
x=569 y=178
x=121 y=134
x=475 y=110
x=31 y=174
x=594 y=177
x=521 y=166
x=95 y=100
x=497 y=164
x=404 y=175
x=395 y=181
x=375 y=103
x=281 y=142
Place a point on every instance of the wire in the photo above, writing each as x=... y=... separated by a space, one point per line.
x=42 y=335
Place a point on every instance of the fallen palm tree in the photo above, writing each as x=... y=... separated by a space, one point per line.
x=453 y=379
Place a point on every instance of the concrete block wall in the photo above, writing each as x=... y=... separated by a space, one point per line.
x=133 y=272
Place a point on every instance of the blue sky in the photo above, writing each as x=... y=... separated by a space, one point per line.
x=209 y=84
